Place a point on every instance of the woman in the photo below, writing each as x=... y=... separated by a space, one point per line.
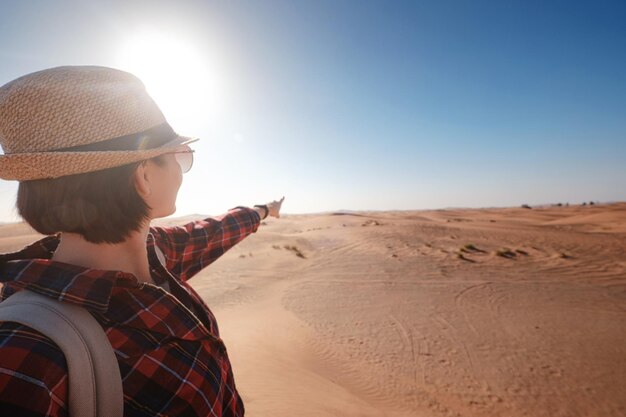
x=96 y=162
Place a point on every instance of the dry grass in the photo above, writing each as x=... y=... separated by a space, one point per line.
x=471 y=248
x=463 y=258
x=506 y=253
x=295 y=250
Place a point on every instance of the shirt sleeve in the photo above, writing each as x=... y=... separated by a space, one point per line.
x=192 y=247
x=33 y=374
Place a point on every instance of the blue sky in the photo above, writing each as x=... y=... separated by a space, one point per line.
x=362 y=104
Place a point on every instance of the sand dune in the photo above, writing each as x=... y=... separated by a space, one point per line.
x=492 y=312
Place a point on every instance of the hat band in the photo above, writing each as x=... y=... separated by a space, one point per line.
x=151 y=138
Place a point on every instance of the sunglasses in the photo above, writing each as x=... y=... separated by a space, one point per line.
x=184 y=159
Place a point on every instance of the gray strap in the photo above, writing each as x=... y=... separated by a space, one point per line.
x=95 y=384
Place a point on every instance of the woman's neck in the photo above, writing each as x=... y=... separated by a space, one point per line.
x=129 y=256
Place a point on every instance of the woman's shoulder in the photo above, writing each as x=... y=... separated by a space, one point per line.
x=33 y=376
x=23 y=348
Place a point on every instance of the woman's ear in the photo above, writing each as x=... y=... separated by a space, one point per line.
x=142 y=180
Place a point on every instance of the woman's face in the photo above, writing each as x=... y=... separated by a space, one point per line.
x=165 y=179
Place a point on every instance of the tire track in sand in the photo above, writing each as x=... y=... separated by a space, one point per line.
x=419 y=367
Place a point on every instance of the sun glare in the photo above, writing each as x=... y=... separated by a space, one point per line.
x=176 y=75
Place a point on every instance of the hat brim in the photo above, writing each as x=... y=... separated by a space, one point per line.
x=46 y=165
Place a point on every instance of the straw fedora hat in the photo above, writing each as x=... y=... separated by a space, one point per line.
x=72 y=120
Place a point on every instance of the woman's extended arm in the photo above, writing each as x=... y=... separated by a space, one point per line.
x=192 y=247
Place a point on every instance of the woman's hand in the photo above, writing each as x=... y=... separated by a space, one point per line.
x=273 y=208
x=270 y=209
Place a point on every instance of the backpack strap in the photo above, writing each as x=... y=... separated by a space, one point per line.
x=95 y=384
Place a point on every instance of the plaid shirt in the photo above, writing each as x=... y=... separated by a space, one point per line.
x=171 y=358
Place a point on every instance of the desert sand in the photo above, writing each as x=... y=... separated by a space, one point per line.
x=473 y=312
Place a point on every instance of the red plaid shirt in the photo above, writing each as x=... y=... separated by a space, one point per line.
x=171 y=358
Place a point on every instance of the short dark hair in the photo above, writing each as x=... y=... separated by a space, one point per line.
x=102 y=206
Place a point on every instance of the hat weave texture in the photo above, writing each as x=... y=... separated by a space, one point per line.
x=44 y=112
